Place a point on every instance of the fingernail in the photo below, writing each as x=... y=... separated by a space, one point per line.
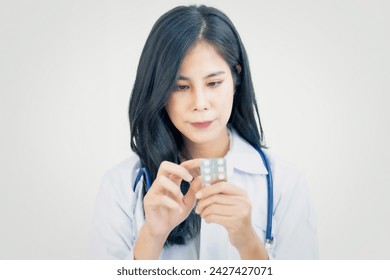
x=198 y=195
x=190 y=178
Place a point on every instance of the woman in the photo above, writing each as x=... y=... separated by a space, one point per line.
x=193 y=98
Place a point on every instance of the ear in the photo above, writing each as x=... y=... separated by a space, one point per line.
x=238 y=68
x=236 y=75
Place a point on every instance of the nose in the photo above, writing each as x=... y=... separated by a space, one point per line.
x=200 y=100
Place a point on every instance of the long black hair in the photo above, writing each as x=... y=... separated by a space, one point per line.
x=153 y=136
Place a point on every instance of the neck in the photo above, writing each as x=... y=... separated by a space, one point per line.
x=215 y=149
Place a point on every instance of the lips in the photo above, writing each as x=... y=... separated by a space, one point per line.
x=201 y=124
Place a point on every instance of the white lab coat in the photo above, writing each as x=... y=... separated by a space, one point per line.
x=119 y=211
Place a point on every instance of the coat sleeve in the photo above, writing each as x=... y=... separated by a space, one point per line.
x=111 y=231
x=296 y=232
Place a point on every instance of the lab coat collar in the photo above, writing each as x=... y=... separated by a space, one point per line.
x=243 y=156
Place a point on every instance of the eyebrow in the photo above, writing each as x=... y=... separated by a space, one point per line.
x=208 y=76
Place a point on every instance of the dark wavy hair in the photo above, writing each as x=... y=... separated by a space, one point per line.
x=153 y=136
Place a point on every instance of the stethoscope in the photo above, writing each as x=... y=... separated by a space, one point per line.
x=269 y=239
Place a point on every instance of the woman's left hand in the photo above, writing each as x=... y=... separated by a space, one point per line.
x=225 y=204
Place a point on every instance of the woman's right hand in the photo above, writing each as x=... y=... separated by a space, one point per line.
x=165 y=205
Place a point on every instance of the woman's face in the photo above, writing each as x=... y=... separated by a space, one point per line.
x=201 y=104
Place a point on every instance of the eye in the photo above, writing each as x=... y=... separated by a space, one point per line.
x=182 y=87
x=214 y=84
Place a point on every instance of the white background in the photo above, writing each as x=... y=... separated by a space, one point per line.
x=321 y=72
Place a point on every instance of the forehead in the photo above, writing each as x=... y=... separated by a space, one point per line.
x=203 y=58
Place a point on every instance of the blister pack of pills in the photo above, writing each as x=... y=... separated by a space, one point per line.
x=213 y=170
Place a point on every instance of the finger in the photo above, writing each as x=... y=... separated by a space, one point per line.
x=218 y=209
x=228 y=221
x=221 y=199
x=239 y=211
x=221 y=187
x=163 y=183
x=196 y=185
x=193 y=166
x=167 y=168
x=175 y=179
x=218 y=219
x=164 y=201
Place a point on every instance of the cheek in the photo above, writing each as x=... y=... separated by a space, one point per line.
x=227 y=110
x=173 y=109
x=226 y=103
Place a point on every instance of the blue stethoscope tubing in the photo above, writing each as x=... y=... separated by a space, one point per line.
x=269 y=239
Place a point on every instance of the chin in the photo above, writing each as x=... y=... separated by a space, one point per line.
x=202 y=137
